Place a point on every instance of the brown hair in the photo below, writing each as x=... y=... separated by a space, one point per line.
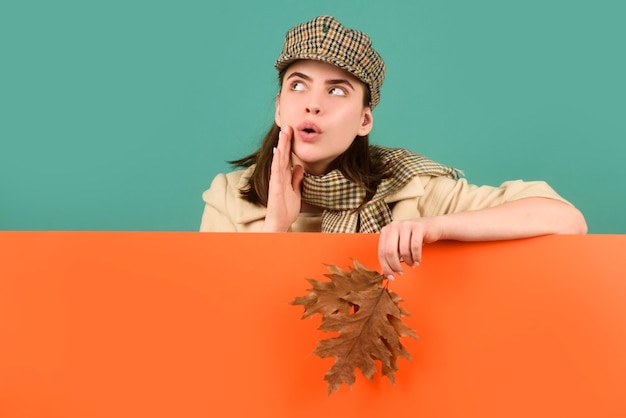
x=358 y=163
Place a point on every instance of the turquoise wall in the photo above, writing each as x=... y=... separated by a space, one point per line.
x=116 y=115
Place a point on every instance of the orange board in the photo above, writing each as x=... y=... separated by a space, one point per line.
x=162 y=324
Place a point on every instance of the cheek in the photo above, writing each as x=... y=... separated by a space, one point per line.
x=352 y=122
x=285 y=111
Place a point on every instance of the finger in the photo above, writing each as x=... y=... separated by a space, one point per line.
x=287 y=132
x=417 y=243
x=284 y=142
x=281 y=150
x=297 y=178
x=385 y=268
x=405 y=246
x=275 y=172
x=388 y=251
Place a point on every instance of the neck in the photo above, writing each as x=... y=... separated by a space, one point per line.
x=308 y=208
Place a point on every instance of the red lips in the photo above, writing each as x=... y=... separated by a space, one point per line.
x=308 y=131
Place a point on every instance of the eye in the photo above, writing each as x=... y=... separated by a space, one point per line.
x=297 y=86
x=337 y=91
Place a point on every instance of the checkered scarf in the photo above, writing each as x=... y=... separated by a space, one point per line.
x=339 y=197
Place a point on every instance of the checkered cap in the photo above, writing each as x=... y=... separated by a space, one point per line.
x=325 y=39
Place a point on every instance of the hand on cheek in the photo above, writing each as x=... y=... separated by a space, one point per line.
x=284 y=196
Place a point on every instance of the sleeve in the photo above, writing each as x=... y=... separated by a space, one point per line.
x=445 y=195
x=215 y=217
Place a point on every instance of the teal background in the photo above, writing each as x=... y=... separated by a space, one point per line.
x=116 y=115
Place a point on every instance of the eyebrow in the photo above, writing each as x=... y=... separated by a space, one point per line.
x=335 y=81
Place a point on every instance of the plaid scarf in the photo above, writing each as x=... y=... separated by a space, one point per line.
x=339 y=197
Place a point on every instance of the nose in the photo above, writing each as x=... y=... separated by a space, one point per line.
x=314 y=108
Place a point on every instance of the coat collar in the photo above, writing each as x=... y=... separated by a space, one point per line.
x=244 y=211
x=412 y=189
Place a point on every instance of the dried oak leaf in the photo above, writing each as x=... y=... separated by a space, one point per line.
x=328 y=298
x=367 y=317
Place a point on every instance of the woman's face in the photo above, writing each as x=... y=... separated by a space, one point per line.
x=324 y=106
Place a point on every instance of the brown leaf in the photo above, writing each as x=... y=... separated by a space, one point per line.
x=367 y=317
x=327 y=298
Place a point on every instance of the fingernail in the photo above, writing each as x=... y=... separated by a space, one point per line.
x=390 y=277
x=273 y=150
x=416 y=264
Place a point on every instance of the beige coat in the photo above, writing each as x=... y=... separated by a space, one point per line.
x=226 y=211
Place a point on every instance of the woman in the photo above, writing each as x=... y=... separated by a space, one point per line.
x=315 y=170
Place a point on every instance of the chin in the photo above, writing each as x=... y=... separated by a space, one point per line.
x=304 y=154
x=310 y=164
x=309 y=156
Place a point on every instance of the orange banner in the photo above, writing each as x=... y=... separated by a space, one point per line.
x=162 y=324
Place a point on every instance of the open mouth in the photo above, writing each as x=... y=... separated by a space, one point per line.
x=309 y=128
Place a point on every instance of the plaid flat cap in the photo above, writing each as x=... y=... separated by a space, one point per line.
x=325 y=39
